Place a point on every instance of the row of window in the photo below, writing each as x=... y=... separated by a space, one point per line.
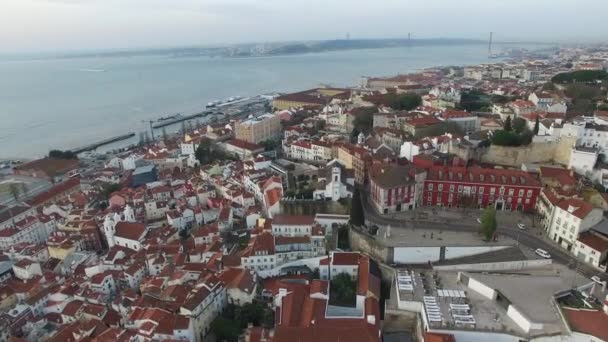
x=473 y=189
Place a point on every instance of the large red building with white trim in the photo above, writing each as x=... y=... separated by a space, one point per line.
x=477 y=187
x=393 y=188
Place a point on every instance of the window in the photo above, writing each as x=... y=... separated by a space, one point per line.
x=492 y=191
x=520 y=192
x=511 y=191
x=459 y=188
x=440 y=187
x=451 y=187
x=481 y=190
x=529 y=194
x=430 y=186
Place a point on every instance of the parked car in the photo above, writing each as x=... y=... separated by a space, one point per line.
x=597 y=279
x=479 y=220
x=521 y=226
x=542 y=253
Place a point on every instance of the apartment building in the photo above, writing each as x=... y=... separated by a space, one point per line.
x=255 y=130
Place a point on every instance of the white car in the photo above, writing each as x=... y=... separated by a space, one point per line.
x=521 y=226
x=542 y=253
x=479 y=220
x=597 y=279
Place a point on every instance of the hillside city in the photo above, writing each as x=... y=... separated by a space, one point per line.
x=451 y=204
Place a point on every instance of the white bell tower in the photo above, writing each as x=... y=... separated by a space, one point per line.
x=361 y=139
x=108 y=228
x=129 y=214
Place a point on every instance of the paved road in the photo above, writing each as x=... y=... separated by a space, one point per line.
x=530 y=238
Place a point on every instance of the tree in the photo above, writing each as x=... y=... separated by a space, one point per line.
x=473 y=100
x=269 y=145
x=250 y=313
x=536 y=126
x=343 y=242
x=58 y=154
x=364 y=119
x=109 y=189
x=207 y=152
x=357 y=217
x=225 y=329
x=407 y=101
x=519 y=125
x=505 y=138
x=15 y=191
x=343 y=290
x=488 y=223
x=320 y=125
x=507 y=126
x=549 y=86
x=584 y=76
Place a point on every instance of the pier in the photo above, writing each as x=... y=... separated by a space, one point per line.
x=160 y=124
x=95 y=145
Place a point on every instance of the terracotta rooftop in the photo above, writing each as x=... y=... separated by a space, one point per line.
x=576 y=207
x=245 y=145
x=482 y=175
x=594 y=323
x=130 y=230
x=293 y=220
x=594 y=241
x=391 y=176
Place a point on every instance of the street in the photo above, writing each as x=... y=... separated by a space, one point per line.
x=461 y=221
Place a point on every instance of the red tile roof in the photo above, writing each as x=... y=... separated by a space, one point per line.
x=344 y=259
x=454 y=114
x=562 y=176
x=482 y=175
x=293 y=220
x=576 y=207
x=245 y=145
x=594 y=241
x=422 y=122
x=273 y=196
x=54 y=191
x=130 y=230
x=594 y=323
x=438 y=337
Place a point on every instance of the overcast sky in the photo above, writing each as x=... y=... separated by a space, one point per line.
x=47 y=25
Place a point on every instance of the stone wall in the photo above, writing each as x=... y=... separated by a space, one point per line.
x=537 y=152
x=362 y=242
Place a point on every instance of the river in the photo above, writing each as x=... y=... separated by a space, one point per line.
x=66 y=103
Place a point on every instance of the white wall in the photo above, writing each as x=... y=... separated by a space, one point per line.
x=521 y=320
x=482 y=289
x=457 y=252
x=416 y=255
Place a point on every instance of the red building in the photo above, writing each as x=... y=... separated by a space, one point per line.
x=477 y=187
x=393 y=187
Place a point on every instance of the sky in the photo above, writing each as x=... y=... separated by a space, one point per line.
x=79 y=25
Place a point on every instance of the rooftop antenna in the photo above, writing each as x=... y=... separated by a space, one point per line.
x=490 y=45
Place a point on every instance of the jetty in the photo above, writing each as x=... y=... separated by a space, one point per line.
x=160 y=124
x=107 y=141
